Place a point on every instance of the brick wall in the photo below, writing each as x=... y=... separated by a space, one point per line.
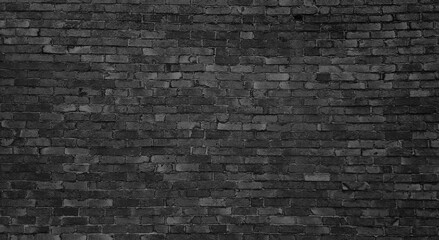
x=219 y=119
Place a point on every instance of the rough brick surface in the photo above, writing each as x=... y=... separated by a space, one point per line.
x=219 y=119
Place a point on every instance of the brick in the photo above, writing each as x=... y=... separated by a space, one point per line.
x=178 y=220
x=241 y=69
x=74 y=203
x=77 y=151
x=74 y=237
x=187 y=167
x=55 y=49
x=290 y=2
x=283 y=220
x=139 y=43
x=186 y=125
x=358 y=35
x=163 y=158
x=18 y=23
x=151 y=51
x=53 y=151
x=65 y=108
x=145 y=76
x=278 y=76
x=431 y=66
x=76 y=168
x=74 y=221
x=41 y=7
x=211 y=202
x=79 y=50
x=327 y=2
x=92 y=58
x=229 y=126
x=278 y=11
x=173 y=75
x=116 y=58
x=419 y=93
x=323 y=77
x=100 y=237
x=320 y=177
x=226 y=60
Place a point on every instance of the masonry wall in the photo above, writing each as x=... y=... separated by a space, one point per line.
x=219 y=119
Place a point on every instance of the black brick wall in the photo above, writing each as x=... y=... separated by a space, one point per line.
x=219 y=119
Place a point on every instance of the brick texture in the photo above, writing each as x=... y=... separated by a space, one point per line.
x=219 y=119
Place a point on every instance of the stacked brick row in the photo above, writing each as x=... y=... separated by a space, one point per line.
x=219 y=119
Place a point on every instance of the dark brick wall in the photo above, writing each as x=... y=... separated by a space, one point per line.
x=219 y=119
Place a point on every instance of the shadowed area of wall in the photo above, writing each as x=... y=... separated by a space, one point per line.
x=219 y=119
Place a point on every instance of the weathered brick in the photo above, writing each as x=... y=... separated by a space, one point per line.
x=283 y=220
x=55 y=49
x=53 y=151
x=76 y=168
x=278 y=76
x=178 y=220
x=211 y=202
x=229 y=126
x=116 y=58
x=321 y=177
x=76 y=236
x=95 y=236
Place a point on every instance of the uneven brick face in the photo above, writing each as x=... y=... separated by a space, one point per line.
x=219 y=119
